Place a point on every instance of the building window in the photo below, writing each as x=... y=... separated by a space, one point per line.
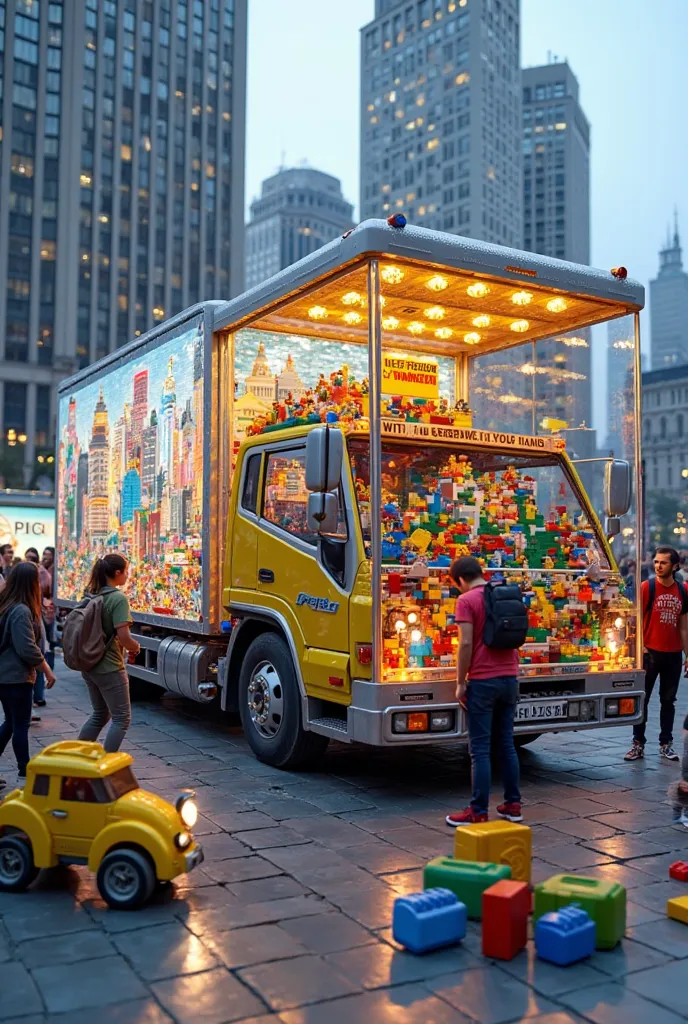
x=15 y=407
x=663 y=427
x=679 y=425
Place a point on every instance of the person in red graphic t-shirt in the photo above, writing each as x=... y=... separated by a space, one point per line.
x=665 y=639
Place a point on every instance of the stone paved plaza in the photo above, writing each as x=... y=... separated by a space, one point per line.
x=288 y=920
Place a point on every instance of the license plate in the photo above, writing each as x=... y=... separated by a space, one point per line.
x=531 y=711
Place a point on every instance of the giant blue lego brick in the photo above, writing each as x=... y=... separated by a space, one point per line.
x=428 y=920
x=565 y=936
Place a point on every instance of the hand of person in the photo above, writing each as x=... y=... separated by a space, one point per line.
x=461 y=689
x=50 y=678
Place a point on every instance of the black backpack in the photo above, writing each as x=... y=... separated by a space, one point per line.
x=506 y=617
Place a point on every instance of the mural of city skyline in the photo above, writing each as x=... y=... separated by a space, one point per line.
x=130 y=477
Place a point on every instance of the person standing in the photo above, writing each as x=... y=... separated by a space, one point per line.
x=20 y=657
x=48 y=620
x=487 y=689
x=664 y=601
x=108 y=682
x=6 y=559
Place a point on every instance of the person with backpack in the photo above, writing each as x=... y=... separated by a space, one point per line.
x=20 y=657
x=493 y=622
x=95 y=634
x=664 y=600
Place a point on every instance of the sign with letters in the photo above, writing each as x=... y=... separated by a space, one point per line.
x=409 y=376
x=470 y=435
x=25 y=526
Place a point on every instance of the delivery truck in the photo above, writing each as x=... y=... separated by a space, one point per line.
x=291 y=474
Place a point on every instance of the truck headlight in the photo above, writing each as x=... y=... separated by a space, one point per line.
x=188 y=809
x=182 y=840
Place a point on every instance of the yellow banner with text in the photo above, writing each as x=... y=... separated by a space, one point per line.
x=414 y=378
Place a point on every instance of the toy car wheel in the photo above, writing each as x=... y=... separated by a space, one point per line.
x=17 y=869
x=270 y=706
x=126 y=879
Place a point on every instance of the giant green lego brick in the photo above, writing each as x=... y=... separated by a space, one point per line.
x=605 y=902
x=468 y=880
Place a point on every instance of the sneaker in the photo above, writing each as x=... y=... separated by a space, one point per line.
x=683 y=820
x=39 y=703
x=636 y=752
x=512 y=812
x=35 y=718
x=3 y=783
x=467 y=817
x=667 y=751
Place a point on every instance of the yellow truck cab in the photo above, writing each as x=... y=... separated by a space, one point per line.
x=305 y=462
x=80 y=805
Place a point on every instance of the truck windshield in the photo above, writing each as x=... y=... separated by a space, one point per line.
x=521 y=514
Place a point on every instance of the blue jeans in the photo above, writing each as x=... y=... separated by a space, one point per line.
x=39 y=685
x=16 y=700
x=491 y=705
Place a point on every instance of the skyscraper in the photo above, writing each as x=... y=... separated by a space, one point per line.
x=299 y=210
x=139 y=413
x=669 y=306
x=98 y=470
x=441 y=116
x=556 y=222
x=121 y=181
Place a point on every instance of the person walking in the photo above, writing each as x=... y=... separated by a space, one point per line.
x=20 y=657
x=664 y=601
x=108 y=682
x=47 y=620
x=487 y=689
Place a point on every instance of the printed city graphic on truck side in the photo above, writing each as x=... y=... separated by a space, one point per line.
x=130 y=477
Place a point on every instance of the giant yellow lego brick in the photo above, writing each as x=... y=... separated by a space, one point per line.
x=677 y=909
x=497 y=842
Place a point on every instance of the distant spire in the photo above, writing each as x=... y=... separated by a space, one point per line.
x=676 y=239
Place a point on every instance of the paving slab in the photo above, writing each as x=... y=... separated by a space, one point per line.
x=410 y=1004
x=290 y=983
x=214 y=997
x=90 y=983
x=490 y=996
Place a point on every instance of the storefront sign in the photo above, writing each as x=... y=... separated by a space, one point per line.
x=468 y=435
x=415 y=378
x=25 y=526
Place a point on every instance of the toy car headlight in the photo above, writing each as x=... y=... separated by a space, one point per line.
x=182 y=840
x=188 y=809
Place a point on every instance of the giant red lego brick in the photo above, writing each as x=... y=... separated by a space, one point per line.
x=506 y=906
x=679 y=870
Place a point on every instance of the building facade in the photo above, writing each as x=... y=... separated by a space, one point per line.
x=669 y=307
x=121 y=182
x=665 y=429
x=441 y=116
x=299 y=210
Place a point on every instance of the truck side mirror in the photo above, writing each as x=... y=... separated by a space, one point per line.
x=324 y=458
x=612 y=527
x=323 y=512
x=617 y=488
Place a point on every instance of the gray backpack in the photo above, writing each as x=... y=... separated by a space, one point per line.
x=83 y=639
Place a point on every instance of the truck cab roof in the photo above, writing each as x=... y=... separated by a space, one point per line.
x=79 y=758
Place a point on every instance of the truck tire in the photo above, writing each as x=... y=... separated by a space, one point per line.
x=17 y=869
x=126 y=878
x=270 y=706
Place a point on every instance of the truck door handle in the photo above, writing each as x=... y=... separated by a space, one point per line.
x=58 y=814
x=266 y=576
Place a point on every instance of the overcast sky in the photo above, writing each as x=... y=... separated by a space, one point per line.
x=631 y=60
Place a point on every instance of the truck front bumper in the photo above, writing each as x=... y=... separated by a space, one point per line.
x=375 y=715
x=194 y=857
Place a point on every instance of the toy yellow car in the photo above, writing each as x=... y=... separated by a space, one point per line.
x=80 y=805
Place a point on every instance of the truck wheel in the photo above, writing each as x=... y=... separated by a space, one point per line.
x=270 y=706
x=521 y=740
x=17 y=869
x=126 y=879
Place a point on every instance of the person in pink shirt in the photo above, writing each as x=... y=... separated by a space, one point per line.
x=487 y=689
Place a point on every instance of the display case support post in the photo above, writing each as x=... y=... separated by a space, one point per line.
x=374 y=385
x=639 y=490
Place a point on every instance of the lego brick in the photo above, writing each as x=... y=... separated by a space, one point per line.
x=565 y=936
x=677 y=909
x=496 y=842
x=679 y=870
x=605 y=902
x=428 y=920
x=506 y=906
x=466 y=879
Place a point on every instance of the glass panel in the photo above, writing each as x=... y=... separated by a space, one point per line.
x=285 y=501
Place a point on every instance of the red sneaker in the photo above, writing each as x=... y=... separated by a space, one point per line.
x=512 y=812
x=467 y=817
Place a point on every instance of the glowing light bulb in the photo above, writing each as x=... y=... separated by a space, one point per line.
x=412 y=617
x=443 y=333
x=481 y=321
x=477 y=290
x=416 y=636
x=400 y=625
x=472 y=338
x=435 y=313
x=390 y=323
x=618 y=622
x=317 y=313
x=522 y=298
x=519 y=326
x=416 y=327
x=352 y=317
x=351 y=299
x=557 y=305
x=613 y=646
x=437 y=283
x=392 y=275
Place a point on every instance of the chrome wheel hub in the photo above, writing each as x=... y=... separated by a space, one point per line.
x=265 y=699
x=11 y=865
